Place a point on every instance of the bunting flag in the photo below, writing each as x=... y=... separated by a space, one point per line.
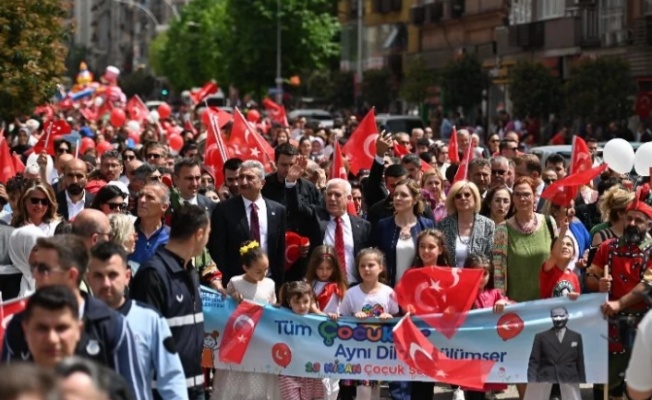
x=361 y=146
x=563 y=191
x=276 y=112
x=238 y=331
x=453 y=148
x=443 y=295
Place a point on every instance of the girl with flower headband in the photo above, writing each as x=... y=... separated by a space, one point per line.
x=253 y=285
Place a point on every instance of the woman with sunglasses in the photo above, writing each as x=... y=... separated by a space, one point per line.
x=110 y=200
x=37 y=206
x=464 y=228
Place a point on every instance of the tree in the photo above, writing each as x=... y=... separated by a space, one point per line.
x=308 y=33
x=156 y=53
x=192 y=51
x=533 y=90
x=378 y=89
x=140 y=83
x=417 y=81
x=599 y=90
x=32 y=53
x=462 y=82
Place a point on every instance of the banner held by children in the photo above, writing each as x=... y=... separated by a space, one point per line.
x=317 y=347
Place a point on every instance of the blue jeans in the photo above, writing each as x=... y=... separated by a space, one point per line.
x=399 y=390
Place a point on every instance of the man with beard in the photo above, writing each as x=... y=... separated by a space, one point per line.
x=74 y=198
x=629 y=268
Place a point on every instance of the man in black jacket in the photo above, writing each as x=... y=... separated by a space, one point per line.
x=74 y=198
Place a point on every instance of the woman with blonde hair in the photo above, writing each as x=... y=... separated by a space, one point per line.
x=123 y=232
x=613 y=207
x=37 y=206
x=465 y=230
x=432 y=183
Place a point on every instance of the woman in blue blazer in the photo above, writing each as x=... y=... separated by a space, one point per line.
x=396 y=236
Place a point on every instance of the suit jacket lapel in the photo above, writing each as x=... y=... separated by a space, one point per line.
x=555 y=349
x=271 y=220
x=244 y=223
x=355 y=230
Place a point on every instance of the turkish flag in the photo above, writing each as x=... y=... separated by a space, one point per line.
x=400 y=150
x=414 y=349
x=215 y=152
x=338 y=171
x=19 y=167
x=223 y=116
x=137 y=109
x=52 y=130
x=7 y=311
x=238 y=331
x=89 y=113
x=276 y=112
x=361 y=146
x=47 y=110
x=643 y=105
x=463 y=169
x=580 y=156
x=443 y=295
x=563 y=191
x=190 y=127
x=453 y=148
x=7 y=168
x=203 y=92
x=245 y=142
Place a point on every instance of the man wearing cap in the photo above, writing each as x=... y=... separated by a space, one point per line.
x=629 y=268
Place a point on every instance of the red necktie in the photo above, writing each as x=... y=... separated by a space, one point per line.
x=339 y=242
x=254 y=223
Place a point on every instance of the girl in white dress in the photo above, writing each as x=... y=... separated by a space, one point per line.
x=255 y=286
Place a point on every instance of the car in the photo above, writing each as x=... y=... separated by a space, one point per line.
x=398 y=123
x=323 y=117
x=565 y=150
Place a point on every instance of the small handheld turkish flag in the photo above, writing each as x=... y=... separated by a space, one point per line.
x=239 y=330
x=361 y=146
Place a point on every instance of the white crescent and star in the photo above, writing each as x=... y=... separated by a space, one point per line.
x=287 y=250
x=365 y=146
x=277 y=355
x=414 y=348
x=419 y=291
x=243 y=319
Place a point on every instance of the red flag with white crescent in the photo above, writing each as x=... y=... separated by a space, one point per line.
x=7 y=168
x=443 y=295
x=245 y=142
x=215 y=152
x=563 y=191
x=400 y=150
x=275 y=111
x=238 y=331
x=453 y=148
x=361 y=146
x=339 y=171
x=463 y=169
x=8 y=310
x=137 y=109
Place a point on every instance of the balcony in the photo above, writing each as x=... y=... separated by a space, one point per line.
x=589 y=27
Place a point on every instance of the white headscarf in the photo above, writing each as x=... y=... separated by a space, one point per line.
x=21 y=242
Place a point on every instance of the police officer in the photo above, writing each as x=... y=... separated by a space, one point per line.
x=169 y=283
x=106 y=337
x=108 y=277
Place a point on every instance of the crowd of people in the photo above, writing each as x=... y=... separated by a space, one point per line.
x=113 y=246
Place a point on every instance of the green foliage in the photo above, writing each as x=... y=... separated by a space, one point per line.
x=533 y=90
x=462 y=82
x=378 y=88
x=343 y=89
x=333 y=87
x=599 y=90
x=418 y=79
x=192 y=50
x=32 y=53
x=156 y=52
x=308 y=32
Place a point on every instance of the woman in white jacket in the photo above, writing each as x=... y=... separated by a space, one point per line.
x=21 y=242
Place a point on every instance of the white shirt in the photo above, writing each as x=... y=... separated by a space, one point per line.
x=405 y=251
x=75 y=208
x=192 y=201
x=262 y=219
x=373 y=304
x=349 y=256
x=461 y=250
x=639 y=372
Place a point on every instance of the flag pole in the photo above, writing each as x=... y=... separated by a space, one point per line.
x=605 y=389
x=47 y=136
x=77 y=148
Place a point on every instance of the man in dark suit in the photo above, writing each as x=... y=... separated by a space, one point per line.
x=557 y=357
x=187 y=178
x=248 y=216
x=331 y=225
x=74 y=198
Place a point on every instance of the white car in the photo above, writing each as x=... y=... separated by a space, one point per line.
x=324 y=117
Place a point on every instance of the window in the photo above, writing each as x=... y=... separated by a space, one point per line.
x=521 y=12
x=549 y=9
x=612 y=15
x=647 y=7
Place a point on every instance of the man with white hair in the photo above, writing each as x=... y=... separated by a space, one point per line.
x=248 y=216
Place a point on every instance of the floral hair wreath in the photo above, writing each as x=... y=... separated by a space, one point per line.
x=245 y=249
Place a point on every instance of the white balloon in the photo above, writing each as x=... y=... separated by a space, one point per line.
x=98 y=101
x=643 y=159
x=153 y=116
x=619 y=155
x=133 y=125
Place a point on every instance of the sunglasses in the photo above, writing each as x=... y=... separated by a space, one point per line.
x=129 y=157
x=155 y=178
x=465 y=195
x=43 y=269
x=62 y=150
x=36 y=200
x=154 y=155
x=115 y=206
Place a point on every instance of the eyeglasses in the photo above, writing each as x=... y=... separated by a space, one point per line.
x=500 y=172
x=465 y=195
x=62 y=150
x=523 y=195
x=43 y=269
x=115 y=206
x=36 y=200
x=154 y=155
